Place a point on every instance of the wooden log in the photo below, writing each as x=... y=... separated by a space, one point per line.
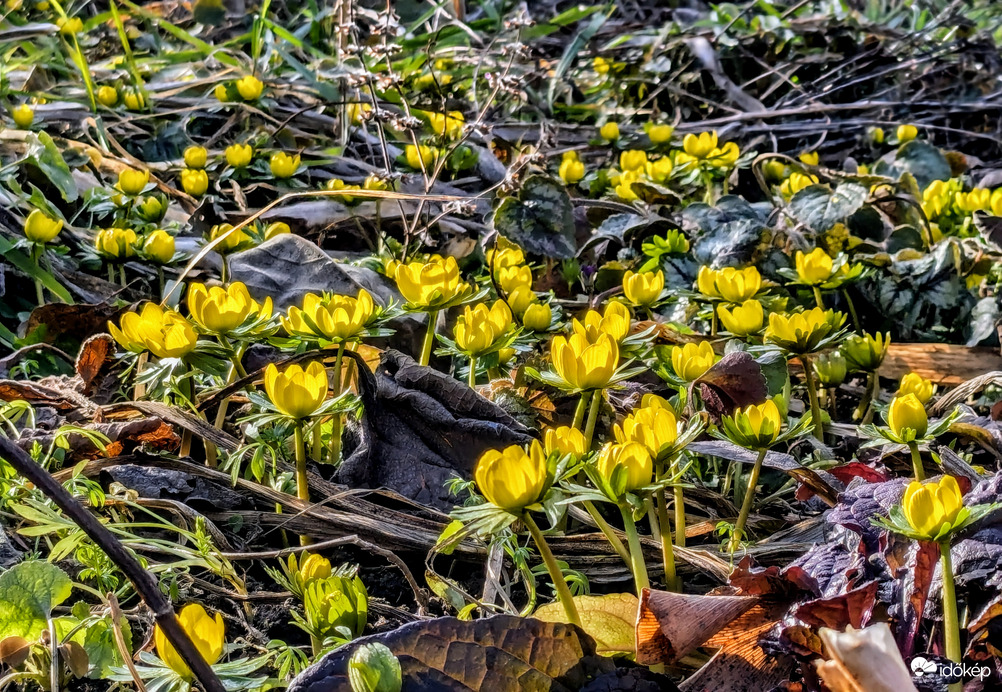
x=944 y=364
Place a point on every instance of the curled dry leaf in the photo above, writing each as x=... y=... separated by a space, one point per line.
x=865 y=660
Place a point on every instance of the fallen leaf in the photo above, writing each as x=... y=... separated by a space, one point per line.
x=610 y=620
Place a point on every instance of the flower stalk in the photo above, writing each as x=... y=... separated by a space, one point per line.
x=429 y=338
x=812 y=393
x=559 y=583
x=746 y=506
x=637 y=564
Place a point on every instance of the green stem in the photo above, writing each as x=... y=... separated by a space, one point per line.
x=951 y=621
x=589 y=432
x=713 y=319
x=672 y=582
x=121 y=274
x=559 y=583
x=224 y=272
x=429 y=338
x=917 y=469
x=679 y=516
x=607 y=529
x=579 y=412
x=36 y=253
x=160 y=281
x=188 y=390
x=337 y=424
x=111 y=273
x=864 y=411
x=471 y=379
x=812 y=393
x=817 y=297
x=637 y=564
x=746 y=506
x=302 y=482
x=852 y=311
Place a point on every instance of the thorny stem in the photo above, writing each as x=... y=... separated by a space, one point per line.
x=637 y=564
x=429 y=338
x=746 y=506
x=302 y=482
x=812 y=393
x=951 y=621
x=559 y=583
x=917 y=469
x=589 y=432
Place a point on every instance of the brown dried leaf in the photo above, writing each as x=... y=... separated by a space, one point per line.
x=95 y=361
x=14 y=651
x=735 y=381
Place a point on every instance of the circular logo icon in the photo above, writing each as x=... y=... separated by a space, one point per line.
x=922 y=666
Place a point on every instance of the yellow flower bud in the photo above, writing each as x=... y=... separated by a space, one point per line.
x=565 y=440
x=282 y=165
x=700 y=146
x=656 y=428
x=297 y=392
x=631 y=460
x=756 y=426
x=658 y=133
x=513 y=278
x=692 y=360
x=738 y=285
x=232 y=240
x=706 y=282
x=239 y=155
x=478 y=329
x=615 y=322
x=814 y=268
x=132 y=182
x=116 y=243
x=584 y=365
x=41 y=228
x=633 y=160
x=571 y=170
x=830 y=368
x=913 y=383
x=643 y=289
x=221 y=93
x=659 y=171
x=107 y=96
x=609 y=132
x=449 y=125
x=194 y=181
x=809 y=157
x=336 y=318
x=538 y=317
x=208 y=634
x=906 y=133
x=250 y=88
x=159 y=247
x=196 y=157
x=430 y=285
x=907 y=419
x=276 y=228
x=134 y=100
x=932 y=508
x=221 y=310
x=520 y=299
x=744 y=319
x=421 y=156
x=23 y=115
x=164 y=333
x=512 y=479
x=68 y=26
x=865 y=352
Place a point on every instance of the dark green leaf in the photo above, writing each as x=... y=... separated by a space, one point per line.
x=540 y=218
x=820 y=208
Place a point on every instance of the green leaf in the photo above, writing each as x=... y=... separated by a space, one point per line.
x=24 y=263
x=43 y=153
x=540 y=218
x=28 y=593
x=924 y=161
x=820 y=208
x=984 y=319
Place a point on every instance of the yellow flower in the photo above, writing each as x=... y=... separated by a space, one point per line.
x=134 y=100
x=700 y=146
x=164 y=333
x=159 y=247
x=512 y=278
x=633 y=160
x=512 y=479
x=582 y=364
x=359 y=112
x=658 y=133
x=421 y=156
x=250 y=88
x=23 y=115
x=643 y=289
x=725 y=156
x=221 y=93
x=132 y=182
x=520 y=299
x=906 y=133
x=206 y=633
x=615 y=322
x=196 y=157
x=865 y=352
x=478 y=329
x=375 y=182
x=913 y=383
x=239 y=155
x=624 y=188
x=738 y=285
x=933 y=507
x=107 y=96
x=565 y=440
x=815 y=268
x=756 y=426
x=232 y=240
x=297 y=392
x=656 y=428
x=609 y=132
x=276 y=228
x=571 y=170
x=660 y=170
x=744 y=319
x=795 y=183
x=335 y=317
x=906 y=417
x=430 y=285
x=706 y=282
x=313 y=566
x=634 y=460
x=802 y=332
x=194 y=181
x=507 y=254
x=692 y=360
x=601 y=65
x=41 y=228
x=282 y=165
x=538 y=317
x=448 y=124
x=337 y=184
x=116 y=243
x=877 y=135
x=830 y=368
x=69 y=25
x=221 y=310
x=811 y=158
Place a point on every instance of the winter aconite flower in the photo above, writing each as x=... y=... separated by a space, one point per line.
x=565 y=440
x=513 y=479
x=196 y=157
x=933 y=508
x=742 y=320
x=250 y=88
x=194 y=181
x=23 y=115
x=907 y=419
x=865 y=352
x=107 y=95
x=913 y=383
x=296 y=391
x=116 y=243
x=654 y=427
x=132 y=182
x=814 y=268
x=615 y=322
x=431 y=285
x=831 y=368
x=164 y=333
x=221 y=310
x=537 y=317
x=40 y=228
x=700 y=146
x=754 y=427
x=802 y=332
x=658 y=133
x=333 y=317
x=906 y=133
x=609 y=132
x=643 y=289
x=282 y=165
x=510 y=279
x=479 y=329
x=206 y=633
x=239 y=155
x=571 y=168
x=159 y=247
x=582 y=364
x=692 y=360
x=633 y=160
x=421 y=156
x=625 y=467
